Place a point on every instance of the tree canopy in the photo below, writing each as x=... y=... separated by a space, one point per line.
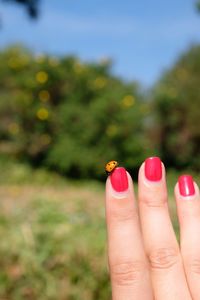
x=69 y=115
x=177 y=98
x=198 y=5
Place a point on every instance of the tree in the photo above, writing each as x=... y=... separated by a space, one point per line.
x=177 y=98
x=68 y=115
x=198 y=5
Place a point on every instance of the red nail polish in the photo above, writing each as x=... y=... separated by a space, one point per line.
x=186 y=185
x=119 y=179
x=153 y=168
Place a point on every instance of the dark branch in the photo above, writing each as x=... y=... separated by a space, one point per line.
x=31 y=6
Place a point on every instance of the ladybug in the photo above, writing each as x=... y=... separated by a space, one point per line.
x=110 y=166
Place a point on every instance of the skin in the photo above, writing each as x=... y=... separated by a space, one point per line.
x=145 y=260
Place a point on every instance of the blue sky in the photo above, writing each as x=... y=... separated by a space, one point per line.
x=143 y=38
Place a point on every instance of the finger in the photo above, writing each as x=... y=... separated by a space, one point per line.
x=161 y=246
x=127 y=261
x=188 y=208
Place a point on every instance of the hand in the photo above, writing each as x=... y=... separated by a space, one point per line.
x=145 y=259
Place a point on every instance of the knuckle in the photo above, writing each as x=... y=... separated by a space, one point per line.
x=124 y=215
x=154 y=202
x=151 y=202
x=163 y=258
x=195 y=266
x=127 y=273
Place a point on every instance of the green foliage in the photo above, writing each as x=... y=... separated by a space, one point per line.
x=198 y=5
x=70 y=116
x=177 y=100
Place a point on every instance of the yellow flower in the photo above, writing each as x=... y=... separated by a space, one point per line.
x=42 y=114
x=111 y=130
x=128 y=101
x=42 y=77
x=100 y=82
x=44 y=96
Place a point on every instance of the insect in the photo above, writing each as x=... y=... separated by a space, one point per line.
x=110 y=166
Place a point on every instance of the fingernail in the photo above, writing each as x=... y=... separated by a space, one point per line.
x=186 y=185
x=153 y=168
x=119 y=179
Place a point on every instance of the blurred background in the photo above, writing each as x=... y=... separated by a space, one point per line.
x=82 y=83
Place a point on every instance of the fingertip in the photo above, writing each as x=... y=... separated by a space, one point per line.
x=119 y=184
x=178 y=191
x=152 y=191
x=156 y=173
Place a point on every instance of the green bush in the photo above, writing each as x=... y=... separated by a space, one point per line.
x=177 y=102
x=67 y=115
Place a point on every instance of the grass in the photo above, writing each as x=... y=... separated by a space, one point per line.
x=53 y=236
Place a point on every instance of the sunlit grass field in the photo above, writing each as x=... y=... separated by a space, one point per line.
x=53 y=236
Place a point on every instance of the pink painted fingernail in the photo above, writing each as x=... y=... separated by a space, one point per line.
x=153 y=169
x=119 y=179
x=186 y=185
